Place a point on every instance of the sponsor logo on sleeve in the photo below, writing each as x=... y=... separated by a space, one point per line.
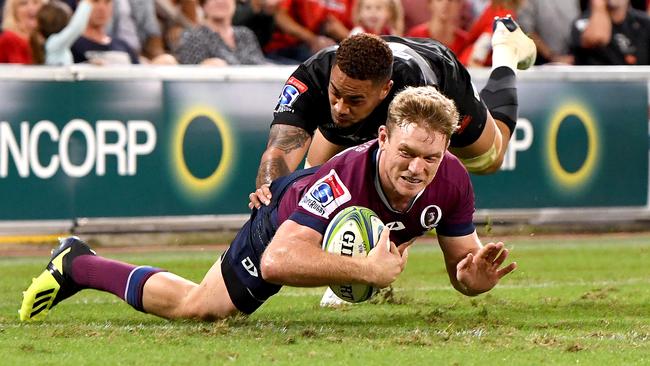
x=430 y=217
x=291 y=92
x=326 y=195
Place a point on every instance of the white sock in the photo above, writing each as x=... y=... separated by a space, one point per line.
x=504 y=55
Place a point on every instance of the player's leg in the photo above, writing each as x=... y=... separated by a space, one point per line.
x=170 y=296
x=74 y=266
x=511 y=50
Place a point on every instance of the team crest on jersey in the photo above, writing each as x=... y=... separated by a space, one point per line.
x=430 y=217
x=291 y=92
x=326 y=195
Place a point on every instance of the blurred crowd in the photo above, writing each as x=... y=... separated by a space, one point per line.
x=253 y=32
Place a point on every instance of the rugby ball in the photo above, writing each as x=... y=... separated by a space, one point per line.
x=353 y=232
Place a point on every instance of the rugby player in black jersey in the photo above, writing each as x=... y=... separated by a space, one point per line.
x=339 y=98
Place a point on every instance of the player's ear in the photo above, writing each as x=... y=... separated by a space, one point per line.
x=386 y=89
x=382 y=136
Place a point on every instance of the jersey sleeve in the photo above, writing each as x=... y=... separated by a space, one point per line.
x=459 y=220
x=295 y=105
x=325 y=197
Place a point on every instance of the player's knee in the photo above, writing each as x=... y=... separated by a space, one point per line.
x=489 y=169
x=199 y=307
x=500 y=96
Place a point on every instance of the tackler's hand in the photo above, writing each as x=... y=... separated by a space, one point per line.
x=261 y=196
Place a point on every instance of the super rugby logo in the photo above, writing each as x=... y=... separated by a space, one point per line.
x=292 y=90
x=326 y=195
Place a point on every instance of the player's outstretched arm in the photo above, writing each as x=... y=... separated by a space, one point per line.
x=295 y=258
x=474 y=269
x=286 y=148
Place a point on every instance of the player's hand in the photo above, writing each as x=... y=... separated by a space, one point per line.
x=480 y=273
x=386 y=262
x=261 y=196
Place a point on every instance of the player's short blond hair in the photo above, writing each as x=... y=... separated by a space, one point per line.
x=423 y=106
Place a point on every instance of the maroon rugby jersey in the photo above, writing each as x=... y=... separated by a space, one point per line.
x=350 y=179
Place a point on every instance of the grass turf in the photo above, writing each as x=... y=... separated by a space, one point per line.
x=579 y=300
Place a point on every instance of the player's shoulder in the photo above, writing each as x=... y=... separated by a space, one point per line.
x=453 y=171
x=419 y=44
x=314 y=73
x=321 y=60
x=353 y=160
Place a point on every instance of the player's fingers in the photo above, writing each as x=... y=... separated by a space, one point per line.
x=465 y=263
x=483 y=252
x=384 y=239
x=261 y=196
x=254 y=201
x=492 y=251
x=403 y=248
x=498 y=261
x=393 y=249
x=266 y=190
x=507 y=269
x=405 y=257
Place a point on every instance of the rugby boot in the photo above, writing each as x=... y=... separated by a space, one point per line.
x=55 y=283
x=507 y=32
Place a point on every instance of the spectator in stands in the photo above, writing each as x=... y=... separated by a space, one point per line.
x=548 y=23
x=611 y=33
x=57 y=31
x=217 y=42
x=444 y=25
x=378 y=17
x=478 y=7
x=415 y=12
x=96 y=46
x=258 y=16
x=478 y=49
x=18 y=23
x=175 y=17
x=135 y=22
x=307 y=26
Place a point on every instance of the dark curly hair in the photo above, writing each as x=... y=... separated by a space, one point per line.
x=365 y=57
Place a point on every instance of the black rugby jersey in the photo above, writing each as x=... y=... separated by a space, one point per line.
x=417 y=62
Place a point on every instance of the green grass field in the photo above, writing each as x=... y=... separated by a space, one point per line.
x=579 y=300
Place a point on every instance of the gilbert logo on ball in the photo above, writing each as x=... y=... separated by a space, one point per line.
x=353 y=232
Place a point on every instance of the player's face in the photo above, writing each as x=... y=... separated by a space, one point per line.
x=409 y=161
x=352 y=100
